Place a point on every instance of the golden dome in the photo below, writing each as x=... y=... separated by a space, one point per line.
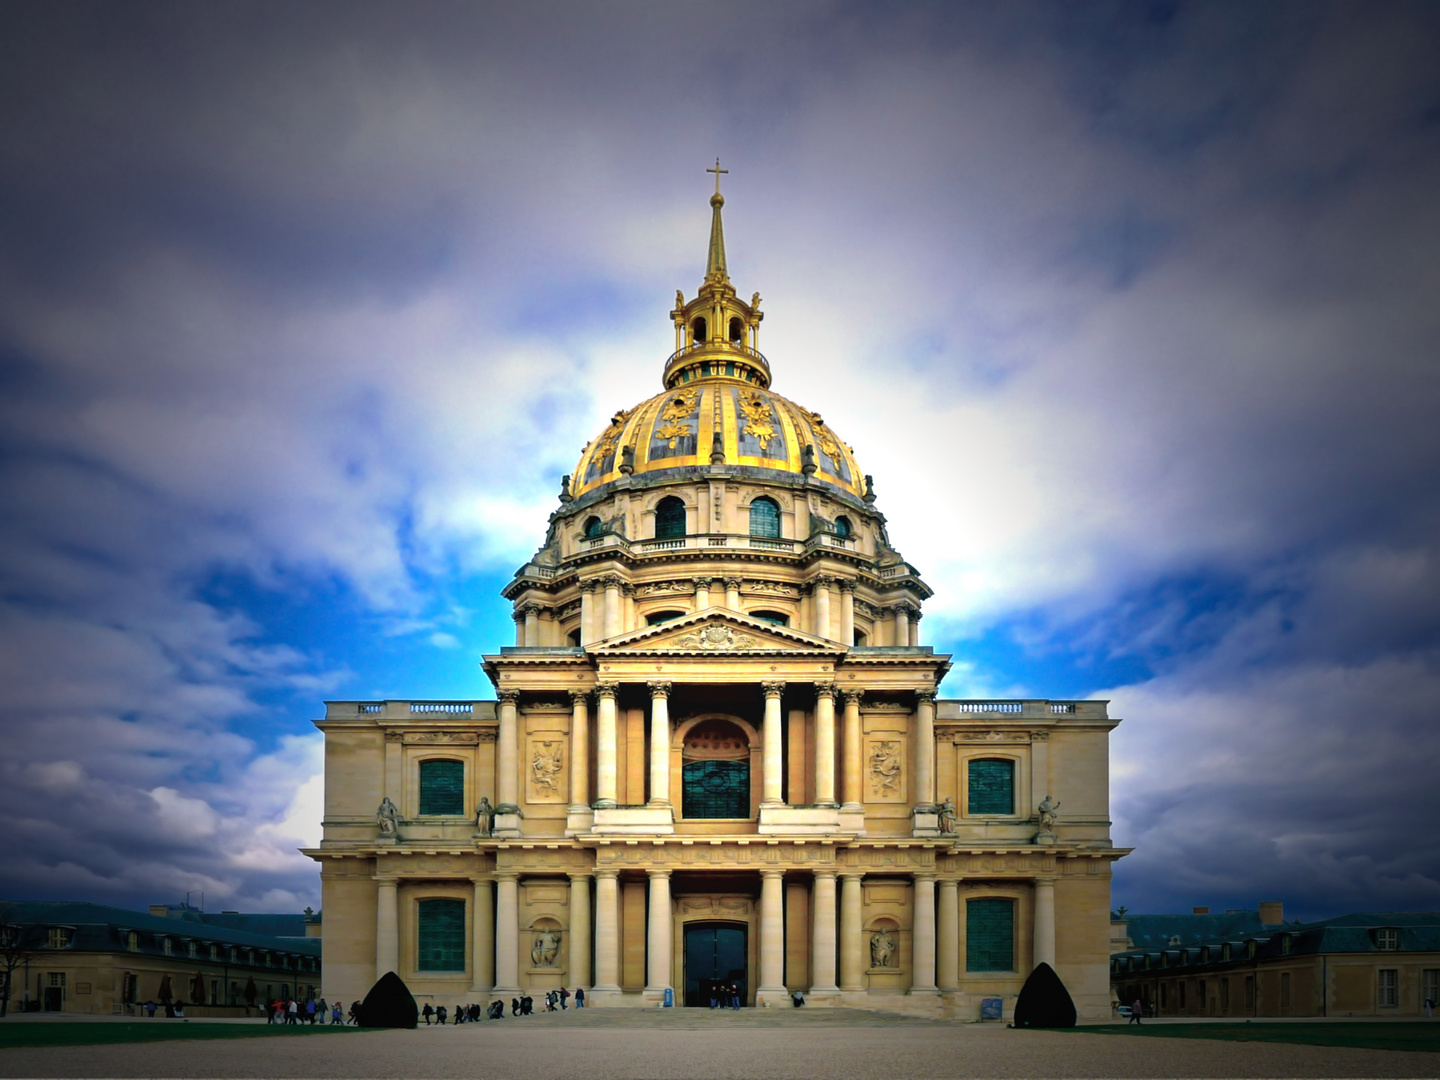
x=677 y=430
x=717 y=408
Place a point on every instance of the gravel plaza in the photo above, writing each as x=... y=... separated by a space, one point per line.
x=775 y=1045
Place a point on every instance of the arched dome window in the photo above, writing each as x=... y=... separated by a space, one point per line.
x=843 y=528
x=700 y=329
x=670 y=518
x=593 y=527
x=737 y=331
x=655 y=618
x=779 y=618
x=765 y=517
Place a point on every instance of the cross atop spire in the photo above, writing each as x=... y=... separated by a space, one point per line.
x=717 y=171
x=715 y=269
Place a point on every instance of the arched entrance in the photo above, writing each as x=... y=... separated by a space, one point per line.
x=714 y=954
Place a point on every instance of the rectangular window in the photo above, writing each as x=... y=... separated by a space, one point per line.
x=1162 y=996
x=442 y=787
x=1182 y=996
x=1430 y=985
x=167 y=945
x=132 y=941
x=441 y=945
x=59 y=938
x=1388 y=988
x=990 y=934
x=193 y=949
x=1249 y=993
x=1284 y=992
x=1225 y=997
x=1387 y=940
x=992 y=787
x=1204 y=1002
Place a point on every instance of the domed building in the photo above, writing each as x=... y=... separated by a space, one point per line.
x=716 y=757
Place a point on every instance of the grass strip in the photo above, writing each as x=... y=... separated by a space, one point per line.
x=80 y=1033
x=1420 y=1036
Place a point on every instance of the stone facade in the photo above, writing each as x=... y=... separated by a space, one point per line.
x=718 y=730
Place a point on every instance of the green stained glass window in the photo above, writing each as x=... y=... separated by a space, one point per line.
x=716 y=789
x=442 y=936
x=442 y=787
x=992 y=787
x=669 y=519
x=990 y=934
x=764 y=517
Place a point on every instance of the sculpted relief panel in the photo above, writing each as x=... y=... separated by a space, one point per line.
x=884 y=771
x=545 y=771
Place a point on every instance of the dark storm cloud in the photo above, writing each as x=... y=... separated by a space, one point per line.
x=334 y=293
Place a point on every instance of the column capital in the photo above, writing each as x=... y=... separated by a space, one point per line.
x=1045 y=879
x=606 y=690
x=626 y=589
x=575 y=875
x=530 y=608
x=506 y=875
x=847 y=585
x=660 y=872
x=508 y=697
x=579 y=697
x=825 y=872
x=607 y=872
x=733 y=583
x=826 y=689
x=769 y=872
x=773 y=689
x=384 y=880
x=589 y=585
x=484 y=879
x=849 y=872
x=852 y=697
x=612 y=581
x=702 y=582
x=659 y=688
x=822 y=581
x=925 y=697
x=924 y=875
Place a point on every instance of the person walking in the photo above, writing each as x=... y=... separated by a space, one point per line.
x=427 y=1012
x=292 y=1013
x=337 y=1015
x=564 y=999
x=1136 y=1010
x=579 y=997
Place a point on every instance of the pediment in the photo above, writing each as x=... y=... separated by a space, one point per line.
x=716 y=631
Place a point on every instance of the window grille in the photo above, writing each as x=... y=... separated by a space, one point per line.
x=992 y=787
x=670 y=519
x=441 y=945
x=765 y=518
x=59 y=938
x=990 y=934
x=1388 y=988
x=442 y=787
x=1387 y=940
x=715 y=789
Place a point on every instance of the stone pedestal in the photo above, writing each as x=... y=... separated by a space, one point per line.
x=506 y=825
x=925 y=821
x=799 y=820
x=634 y=821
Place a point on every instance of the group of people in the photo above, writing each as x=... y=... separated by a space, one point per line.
x=290 y=1011
x=724 y=996
x=555 y=1001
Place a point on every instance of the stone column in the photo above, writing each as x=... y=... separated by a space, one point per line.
x=482 y=954
x=587 y=612
x=732 y=593
x=387 y=927
x=627 y=622
x=507 y=934
x=607 y=931
x=822 y=948
x=1045 y=921
x=947 y=936
x=822 y=607
x=915 y=629
x=925 y=750
x=772 y=769
x=852 y=932
x=657 y=974
x=532 y=625
x=851 y=753
x=507 y=764
x=772 y=933
x=922 y=937
x=612 y=606
x=825 y=744
x=579 y=750
x=702 y=593
x=579 y=972
x=901 y=635
x=519 y=618
x=606 y=752
x=847 y=612
x=659 y=747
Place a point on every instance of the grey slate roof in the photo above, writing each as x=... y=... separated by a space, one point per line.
x=101 y=928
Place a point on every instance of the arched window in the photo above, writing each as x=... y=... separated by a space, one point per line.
x=593 y=527
x=700 y=330
x=573 y=638
x=992 y=786
x=655 y=618
x=765 y=517
x=779 y=618
x=843 y=528
x=670 y=518
x=442 y=787
x=441 y=936
x=737 y=331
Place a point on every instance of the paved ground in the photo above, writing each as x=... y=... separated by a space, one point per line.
x=600 y=1044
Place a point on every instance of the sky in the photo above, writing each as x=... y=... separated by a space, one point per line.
x=1130 y=309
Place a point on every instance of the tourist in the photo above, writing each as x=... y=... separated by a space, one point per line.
x=440 y=1016
x=272 y=1014
x=355 y=1013
x=150 y=1009
x=564 y=999
x=427 y=1012
x=310 y=1011
x=459 y=1013
x=1429 y=1008
x=292 y=1012
x=1136 y=1011
x=337 y=1014
x=735 y=996
x=514 y=1006
x=579 y=997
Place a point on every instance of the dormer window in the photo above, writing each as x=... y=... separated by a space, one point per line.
x=1285 y=944
x=167 y=946
x=1388 y=939
x=58 y=938
x=593 y=527
x=1250 y=950
x=843 y=528
x=1225 y=952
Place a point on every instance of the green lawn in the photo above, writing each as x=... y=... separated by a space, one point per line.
x=79 y=1033
x=1422 y=1035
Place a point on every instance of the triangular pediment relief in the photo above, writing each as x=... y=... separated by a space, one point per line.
x=715 y=630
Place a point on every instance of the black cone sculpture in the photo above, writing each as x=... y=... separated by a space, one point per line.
x=1044 y=1001
x=389 y=1004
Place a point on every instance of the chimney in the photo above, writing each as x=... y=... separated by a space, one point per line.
x=1199 y=911
x=1272 y=912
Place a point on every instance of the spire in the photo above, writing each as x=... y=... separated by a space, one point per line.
x=715 y=269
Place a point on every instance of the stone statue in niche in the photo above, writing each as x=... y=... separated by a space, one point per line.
x=948 y=817
x=882 y=949
x=484 y=816
x=388 y=818
x=545 y=949
x=1047 y=810
x=545 y=766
